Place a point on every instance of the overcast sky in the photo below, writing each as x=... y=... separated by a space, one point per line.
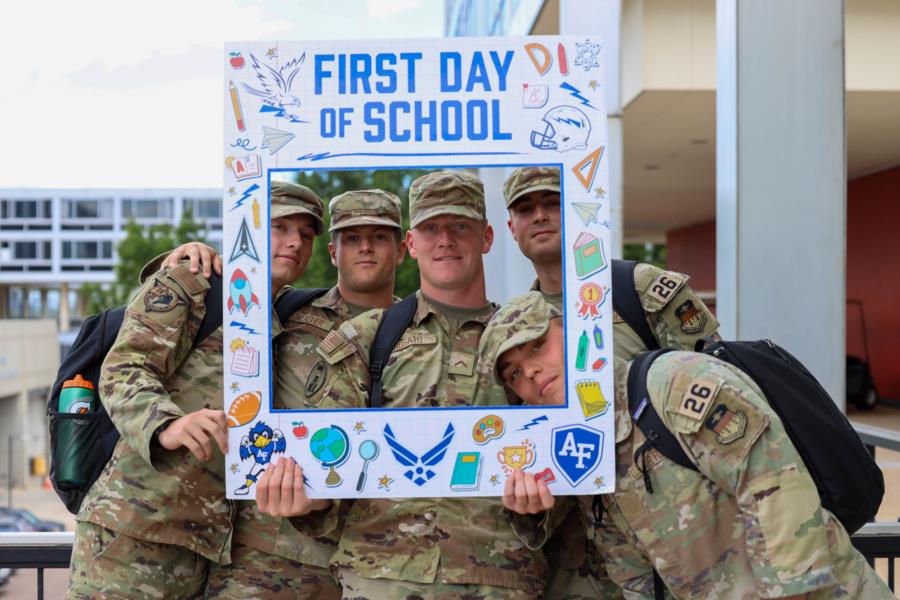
x=127 y=93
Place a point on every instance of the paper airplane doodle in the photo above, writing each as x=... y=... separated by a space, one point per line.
x=240 y=294
x=275 y=139
x=587 y=212
x=244 y=245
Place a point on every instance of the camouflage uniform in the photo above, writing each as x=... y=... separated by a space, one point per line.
x=749 y=524
x=155 y=520
x=677 y=318
x=290 y=556
x=426 y=546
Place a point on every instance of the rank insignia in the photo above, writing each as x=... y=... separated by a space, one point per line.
x=692 y=320
x=160 y=298
x=728 y=425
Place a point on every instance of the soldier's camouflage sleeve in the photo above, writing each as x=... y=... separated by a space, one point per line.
x=346 y=350
x=535 y=530
x=676 y=315
x=156 y=335
x=740 y=444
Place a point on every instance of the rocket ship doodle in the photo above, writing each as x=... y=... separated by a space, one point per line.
x=240 y=294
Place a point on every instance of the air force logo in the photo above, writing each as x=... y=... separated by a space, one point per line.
x=576 y=451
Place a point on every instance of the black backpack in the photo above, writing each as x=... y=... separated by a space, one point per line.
x=91 y=438
x=394 y=322
x=849 y=482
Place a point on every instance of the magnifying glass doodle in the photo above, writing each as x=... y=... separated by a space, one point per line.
x=368 y=451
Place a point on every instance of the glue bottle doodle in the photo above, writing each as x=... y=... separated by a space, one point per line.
x=581 y=356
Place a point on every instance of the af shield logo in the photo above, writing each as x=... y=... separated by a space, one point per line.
x=576 y=451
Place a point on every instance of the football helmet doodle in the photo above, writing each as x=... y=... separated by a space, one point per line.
x=565 y=128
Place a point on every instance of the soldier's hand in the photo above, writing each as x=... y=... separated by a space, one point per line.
x=525 y=495
x=199 y=254
x=280 y=492
x=196 y=431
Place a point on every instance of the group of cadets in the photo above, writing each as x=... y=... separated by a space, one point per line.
x=157 y=524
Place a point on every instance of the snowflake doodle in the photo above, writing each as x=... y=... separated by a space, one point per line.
x=587 y=55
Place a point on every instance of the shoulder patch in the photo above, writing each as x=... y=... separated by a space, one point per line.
x=316 y=378
x=161 y=298
x=191 y=282
x=314 y=320
x=348 y=330
x=689 y=410
x=728 y=425
x=335 y=348
x=692 y=320
x=662 y=289
x=415 y=339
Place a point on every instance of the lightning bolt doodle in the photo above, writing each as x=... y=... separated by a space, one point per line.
x=243 y=327
x=576 y=93
x=314 y=156
x=240 y=201
x=533 y=422
x=280 y=112
x=568 y=121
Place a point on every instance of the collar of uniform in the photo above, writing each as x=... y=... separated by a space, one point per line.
x=535 y=285
x=425 y=308
x=331 y=299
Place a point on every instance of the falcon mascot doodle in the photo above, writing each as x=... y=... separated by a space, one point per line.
x=261 y=443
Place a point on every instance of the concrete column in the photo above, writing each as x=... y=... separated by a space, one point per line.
x=781 y=178
x=26 y=311
x=64 y=320
x=44 y=307
x=604 y=17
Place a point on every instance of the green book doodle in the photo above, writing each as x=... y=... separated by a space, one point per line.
x=588 y=255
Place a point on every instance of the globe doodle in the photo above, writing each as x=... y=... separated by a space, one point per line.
x=331 y=447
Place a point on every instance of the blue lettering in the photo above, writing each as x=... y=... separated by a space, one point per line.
x=342 y=70
x=411 y=58
x=389 y=73
x=328 y=122
x=429 y=119
x=502 y=68
x=481 y=119
x=495 y=123
x=456 y=134
x=321 y=72
x=370 y=118
x=396 y=135
x=478 y=74
x=360 y=70
x=448 y=60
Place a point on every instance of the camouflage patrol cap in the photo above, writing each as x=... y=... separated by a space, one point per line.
x=364 y=207
x=293 y=199
x=446 y=193
x=522 y=319
x=529 y=179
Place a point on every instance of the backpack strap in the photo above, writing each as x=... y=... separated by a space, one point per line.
x=627 y=303
x=212 y=319
x=291 y=301
x=648 y=420
x=394 y=322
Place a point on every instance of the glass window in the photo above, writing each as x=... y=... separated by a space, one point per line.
x=26 y=209
x=25 y=250
x=87 y=208
x=86 y=249
x=204 y=208
x=151 y=208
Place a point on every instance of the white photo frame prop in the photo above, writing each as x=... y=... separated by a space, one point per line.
x=428 y=104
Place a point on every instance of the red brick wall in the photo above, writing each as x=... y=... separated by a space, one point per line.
x=873 y=270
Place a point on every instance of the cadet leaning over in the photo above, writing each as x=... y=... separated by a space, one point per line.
x=441 y=547
x=677 y=320
x=157 y=518
x=749 y=524
x=281 y=558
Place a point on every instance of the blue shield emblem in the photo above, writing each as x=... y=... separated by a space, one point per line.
x=576 y=451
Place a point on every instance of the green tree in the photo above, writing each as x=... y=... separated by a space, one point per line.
x=328 y=184
x=648 y=252
x=140 y=245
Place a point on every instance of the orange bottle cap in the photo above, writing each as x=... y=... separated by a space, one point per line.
x=79 y=381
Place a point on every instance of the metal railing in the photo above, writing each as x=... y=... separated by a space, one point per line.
x=54 y=550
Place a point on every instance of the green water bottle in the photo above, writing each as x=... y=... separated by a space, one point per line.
x=72 y=448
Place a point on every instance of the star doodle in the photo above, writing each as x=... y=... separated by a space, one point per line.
x=599 y=192
x=232 y=191
x=359 y=427
x=587 y=55
x=235 y=386
x=593 y=84
x=234 y=468
x=495 y=480
x=384 y=483
x=272 y=53
x=598 y=481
